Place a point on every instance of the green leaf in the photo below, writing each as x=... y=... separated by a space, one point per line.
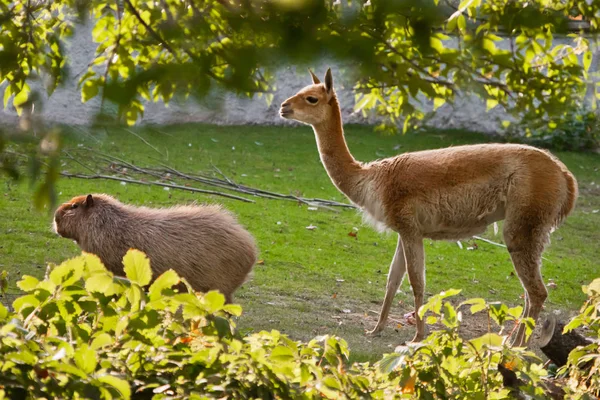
x=119 y=384
x=86 y=358
x=282 y=353
x=103 y=339
x=576 y=322
x=587 y=60
x=167 y=279
x=103 y=283
x=593 y=288
x=137 y=267
x=28 y=283
x=134 y=296
x=222 y=326
x=233 y=309
x=491 y=103
x=68 y=272
x=214 y=301
x=450 y=318
x=121 y=325
x=24 y=302
x=3 y=312
x=476 y=304
x=93 y=264
x=515 y=312
x=21 y=97
x=438 y=102
x=21 y=357
x=89 y=89
x=461 y=22
x=332 y=383
x=489 y=339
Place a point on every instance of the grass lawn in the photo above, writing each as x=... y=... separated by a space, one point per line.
x=310 y=282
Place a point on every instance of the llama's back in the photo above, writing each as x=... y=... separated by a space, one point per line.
x=467 y=187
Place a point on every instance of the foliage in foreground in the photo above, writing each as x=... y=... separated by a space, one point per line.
x=84 y=333
x=583 y=366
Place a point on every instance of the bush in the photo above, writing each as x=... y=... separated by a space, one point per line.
x=577 y=131
x=447 y=366
x=583 y=366
x=83 y=333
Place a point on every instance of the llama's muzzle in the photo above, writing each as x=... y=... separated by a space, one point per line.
x=286 y=110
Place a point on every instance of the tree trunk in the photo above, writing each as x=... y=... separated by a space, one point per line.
x=556 y=345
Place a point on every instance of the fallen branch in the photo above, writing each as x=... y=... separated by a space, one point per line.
x=499 y=244
x=191 y=189
x=489 y=241
x=145 y=141
x=123 y=167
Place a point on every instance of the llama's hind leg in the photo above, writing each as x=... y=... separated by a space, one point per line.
x=525 y=244
x=394 y=279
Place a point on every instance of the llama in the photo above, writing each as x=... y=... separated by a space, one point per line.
x=444 y=194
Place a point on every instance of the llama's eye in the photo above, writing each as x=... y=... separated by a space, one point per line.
x=312 y=100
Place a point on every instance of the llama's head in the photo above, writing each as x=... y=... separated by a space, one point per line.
x=311 y=105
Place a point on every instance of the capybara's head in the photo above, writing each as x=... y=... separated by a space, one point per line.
x=70 y=218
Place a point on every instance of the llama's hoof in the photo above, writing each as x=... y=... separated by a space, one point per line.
x=375 y=331
x=417 y=339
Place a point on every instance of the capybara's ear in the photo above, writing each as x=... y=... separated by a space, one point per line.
x=89 y=201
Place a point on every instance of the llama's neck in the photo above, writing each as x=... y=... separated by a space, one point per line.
x=345 y=172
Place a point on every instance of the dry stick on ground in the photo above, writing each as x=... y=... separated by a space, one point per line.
x=225 y=183
x=191 y=189
x=499 y=244
x=144 y=140
x=264 y=193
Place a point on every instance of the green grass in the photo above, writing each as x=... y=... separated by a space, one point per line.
x=312 y=281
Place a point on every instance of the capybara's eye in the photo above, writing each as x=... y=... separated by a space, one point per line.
x=312 y=100
x=74 y=206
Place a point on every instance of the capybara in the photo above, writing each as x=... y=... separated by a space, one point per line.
x=203 y=244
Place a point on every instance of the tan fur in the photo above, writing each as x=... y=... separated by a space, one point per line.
x=450 y=193
x=203 y=244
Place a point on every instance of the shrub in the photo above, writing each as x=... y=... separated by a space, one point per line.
x=577 y=131
x=447 y=366
x=83 y=333
x=583 y=366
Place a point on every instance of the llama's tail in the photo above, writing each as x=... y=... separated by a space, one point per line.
x=572 y=193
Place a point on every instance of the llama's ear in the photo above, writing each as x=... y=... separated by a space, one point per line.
x=315 y=80
x=328 y=81
x=89 y=201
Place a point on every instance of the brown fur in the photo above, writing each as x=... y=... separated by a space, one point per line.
x=203 y=244
x=450 y=193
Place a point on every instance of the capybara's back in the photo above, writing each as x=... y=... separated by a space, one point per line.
x=203 y=244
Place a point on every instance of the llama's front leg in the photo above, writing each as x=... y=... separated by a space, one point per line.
x=394 y=279
x=415 y=264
